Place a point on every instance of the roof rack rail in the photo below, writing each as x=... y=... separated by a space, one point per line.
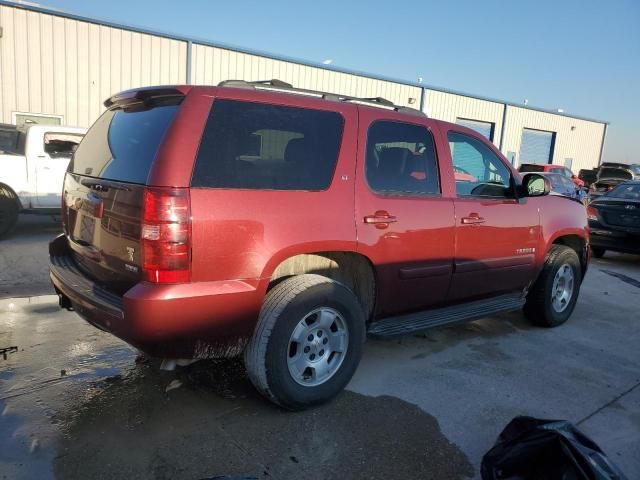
x=280 y=86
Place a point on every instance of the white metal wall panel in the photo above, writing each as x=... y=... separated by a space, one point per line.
x=211 y=65
x=450 y=107
x=577 y=139
x=60 y=66
x=50 y=64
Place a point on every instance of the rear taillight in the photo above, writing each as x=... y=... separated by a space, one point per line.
x=592 y=213
x=166 y=235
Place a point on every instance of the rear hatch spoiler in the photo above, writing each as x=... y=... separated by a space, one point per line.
x=146 y=97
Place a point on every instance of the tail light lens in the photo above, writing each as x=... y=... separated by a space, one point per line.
x=166 y=235
x=592 y=214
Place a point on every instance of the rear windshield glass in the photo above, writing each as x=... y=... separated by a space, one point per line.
x=614 y=173
x=628 y=192
x=259 y=146
x=122 y=144
x=531 y=168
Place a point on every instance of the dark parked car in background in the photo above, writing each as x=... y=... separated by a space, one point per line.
x=614 y=219
x=561 y=185
x=634 y=167
x=610 y=175
x=588 y=176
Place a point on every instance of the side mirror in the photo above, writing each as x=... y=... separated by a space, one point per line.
x=535 y=185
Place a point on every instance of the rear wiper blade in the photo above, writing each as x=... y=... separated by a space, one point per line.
x=102 y=186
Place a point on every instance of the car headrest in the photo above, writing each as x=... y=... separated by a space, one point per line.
x=393 y=160
x=297 y=150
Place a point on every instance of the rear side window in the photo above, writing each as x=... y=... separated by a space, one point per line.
x=123 y=144
x=401 y=159
x=258 y=146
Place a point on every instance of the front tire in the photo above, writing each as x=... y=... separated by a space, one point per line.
x=553 y=297
x=598 y=252
x=307 y=343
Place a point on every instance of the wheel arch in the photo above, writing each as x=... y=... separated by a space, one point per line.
x=352 y=269
x=578 y=244
x=7 y=191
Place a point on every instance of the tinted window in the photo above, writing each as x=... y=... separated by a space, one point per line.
x=477 y=170
x=122 y=144
x=259 y=146
x=10 y=141
x=401 y=159
x=628 y=192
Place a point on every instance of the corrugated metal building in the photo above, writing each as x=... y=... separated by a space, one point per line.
x=59 y=68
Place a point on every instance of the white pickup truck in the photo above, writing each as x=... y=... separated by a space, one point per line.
x=33 y=161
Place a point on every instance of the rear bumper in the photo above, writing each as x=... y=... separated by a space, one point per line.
x=614 y=240
x=192 y=320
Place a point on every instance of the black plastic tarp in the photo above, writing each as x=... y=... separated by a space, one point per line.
x=530 y=448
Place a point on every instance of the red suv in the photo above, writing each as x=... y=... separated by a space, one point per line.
x=550 y=168
x=285 y=225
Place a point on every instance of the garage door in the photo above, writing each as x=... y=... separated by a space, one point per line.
x=483 y=128
x=536 y=146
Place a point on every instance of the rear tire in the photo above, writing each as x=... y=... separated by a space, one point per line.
x=553 y=296
x=598 y=252
x=8 y=213
x=307 y=343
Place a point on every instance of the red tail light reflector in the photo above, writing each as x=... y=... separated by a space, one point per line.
x=166 y=235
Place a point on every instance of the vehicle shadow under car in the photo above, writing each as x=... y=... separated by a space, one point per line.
x=215 y=423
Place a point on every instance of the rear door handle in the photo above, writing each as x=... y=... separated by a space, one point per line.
x=472 y=219
x=380 y=219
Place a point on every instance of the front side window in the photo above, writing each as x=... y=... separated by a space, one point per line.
x=251 y=145
x=478 y=171
x=401 y=159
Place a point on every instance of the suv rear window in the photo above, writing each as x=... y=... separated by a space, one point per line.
x=259 y=146
x=122 y=144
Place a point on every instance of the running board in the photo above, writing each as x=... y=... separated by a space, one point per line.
x=419 y=321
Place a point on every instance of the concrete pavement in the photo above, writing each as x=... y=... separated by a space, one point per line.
x=78 y=403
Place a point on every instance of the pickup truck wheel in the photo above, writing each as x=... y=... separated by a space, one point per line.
x=8 y=214
x=553 y=297
x=307 y=342
x=598 y=252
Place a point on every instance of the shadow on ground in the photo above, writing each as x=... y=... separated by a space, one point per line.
x=215 y=424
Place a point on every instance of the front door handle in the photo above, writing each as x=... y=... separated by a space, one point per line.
x=381 y=219
x=472 y=219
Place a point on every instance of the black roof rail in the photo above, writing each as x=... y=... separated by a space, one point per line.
x=280 y=86
x=274 y=82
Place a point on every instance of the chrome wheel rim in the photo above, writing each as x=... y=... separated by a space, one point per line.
x=317 y=347
x=562 y=289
